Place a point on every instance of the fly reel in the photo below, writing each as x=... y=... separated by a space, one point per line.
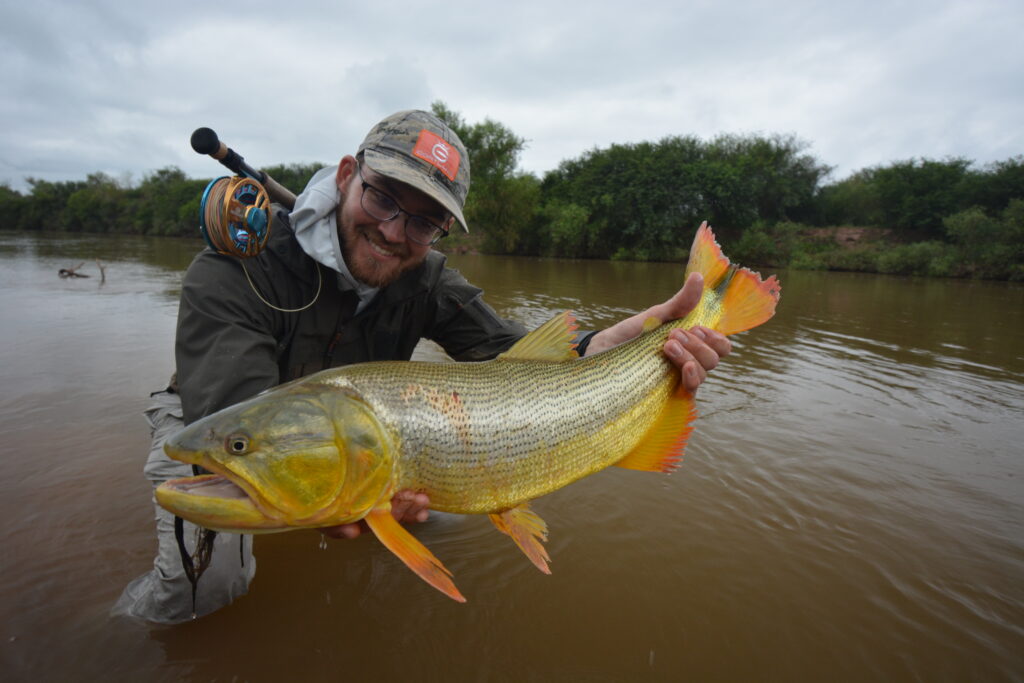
x=234 y=216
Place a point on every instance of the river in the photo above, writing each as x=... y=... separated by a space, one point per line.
x=850 y=508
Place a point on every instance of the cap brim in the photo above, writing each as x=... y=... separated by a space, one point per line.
x=398 y=168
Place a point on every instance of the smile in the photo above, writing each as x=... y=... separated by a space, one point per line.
x=378 y=249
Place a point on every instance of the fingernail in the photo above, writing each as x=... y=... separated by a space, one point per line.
x=699 y=332
x=673 y=348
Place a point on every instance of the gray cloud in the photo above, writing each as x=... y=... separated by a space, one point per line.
x=118 y=87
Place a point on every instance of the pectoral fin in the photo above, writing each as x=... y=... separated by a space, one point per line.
x=410 y=551
x=529 y=532
x=662 y=446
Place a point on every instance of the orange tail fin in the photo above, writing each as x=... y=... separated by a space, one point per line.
x=745 y=299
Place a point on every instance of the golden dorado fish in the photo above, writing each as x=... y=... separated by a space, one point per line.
x=477 y=438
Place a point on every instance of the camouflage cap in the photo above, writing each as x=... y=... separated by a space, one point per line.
x=417 y=148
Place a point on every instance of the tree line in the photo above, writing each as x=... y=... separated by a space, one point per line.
x=766 y=196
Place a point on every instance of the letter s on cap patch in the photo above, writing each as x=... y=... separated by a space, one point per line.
x=436 y=152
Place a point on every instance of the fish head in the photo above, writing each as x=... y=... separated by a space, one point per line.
x=300 y=455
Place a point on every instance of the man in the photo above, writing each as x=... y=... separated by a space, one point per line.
x=348 y=276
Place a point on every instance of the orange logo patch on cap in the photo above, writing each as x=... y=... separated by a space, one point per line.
x=436 y=152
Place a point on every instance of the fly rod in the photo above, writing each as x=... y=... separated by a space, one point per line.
x=234 y=213
x=205 y=141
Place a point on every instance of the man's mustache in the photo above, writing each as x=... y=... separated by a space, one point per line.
x=373 y=234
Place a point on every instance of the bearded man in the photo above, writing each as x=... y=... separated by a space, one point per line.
x=347 y=276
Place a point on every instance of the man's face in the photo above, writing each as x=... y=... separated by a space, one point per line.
x=378 y=252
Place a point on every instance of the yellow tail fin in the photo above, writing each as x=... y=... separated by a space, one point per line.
x=745 y=300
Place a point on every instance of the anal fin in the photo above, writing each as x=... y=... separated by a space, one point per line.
x=529 y=532
x=662 y=446
x=410 y=551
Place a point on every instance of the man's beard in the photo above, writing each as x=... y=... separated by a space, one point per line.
x=367 y=269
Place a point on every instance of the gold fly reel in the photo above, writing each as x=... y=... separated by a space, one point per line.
x=234 y=216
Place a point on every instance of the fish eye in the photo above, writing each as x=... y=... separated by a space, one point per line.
x=237 y=444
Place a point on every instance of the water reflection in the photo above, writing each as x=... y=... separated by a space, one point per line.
x=850 y=506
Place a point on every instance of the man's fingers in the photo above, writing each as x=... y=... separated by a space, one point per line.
x=693 y=376
x=410 y=506
x=406 y=506
x=717 y=341
x=687 y=298
x=681 y=303
x=695 y=352
x=420 y=508
x=400 y=504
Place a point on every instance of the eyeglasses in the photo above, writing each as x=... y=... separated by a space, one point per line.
x=383 y=207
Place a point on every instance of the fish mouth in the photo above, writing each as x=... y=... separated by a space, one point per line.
x=212 y=485
x=215 y=502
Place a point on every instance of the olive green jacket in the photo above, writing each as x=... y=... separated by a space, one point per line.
x=230 y=345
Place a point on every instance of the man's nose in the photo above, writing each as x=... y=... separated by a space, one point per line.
x=394 y=229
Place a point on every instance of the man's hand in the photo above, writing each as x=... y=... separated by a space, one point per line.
x=694 y=352
x=406 y=506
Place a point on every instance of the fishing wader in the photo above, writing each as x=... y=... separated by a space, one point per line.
x=164 y=594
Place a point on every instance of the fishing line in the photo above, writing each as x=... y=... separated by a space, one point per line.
x=319 y=285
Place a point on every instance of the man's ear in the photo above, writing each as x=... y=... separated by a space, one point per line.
x=346 y=169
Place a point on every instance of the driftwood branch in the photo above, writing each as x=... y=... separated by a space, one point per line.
x=71 y=272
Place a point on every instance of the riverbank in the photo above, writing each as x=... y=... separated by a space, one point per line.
x=845 y=248
x=978 y=247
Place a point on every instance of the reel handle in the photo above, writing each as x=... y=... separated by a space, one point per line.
x=205 y=141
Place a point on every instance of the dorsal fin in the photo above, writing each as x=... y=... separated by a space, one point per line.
x=553 y=341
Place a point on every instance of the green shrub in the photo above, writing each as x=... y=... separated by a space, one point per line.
x=804 y=261
x=755 y=246
x=989 y=247
x=919 y=258
x=860 y=259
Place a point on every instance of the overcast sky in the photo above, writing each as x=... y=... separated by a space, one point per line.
x=118 y=86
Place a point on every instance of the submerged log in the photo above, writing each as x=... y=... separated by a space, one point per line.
x=71 y=272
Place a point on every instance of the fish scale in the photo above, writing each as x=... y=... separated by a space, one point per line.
x=515 y=451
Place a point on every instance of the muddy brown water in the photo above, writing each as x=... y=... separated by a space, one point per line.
x=850 y=507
